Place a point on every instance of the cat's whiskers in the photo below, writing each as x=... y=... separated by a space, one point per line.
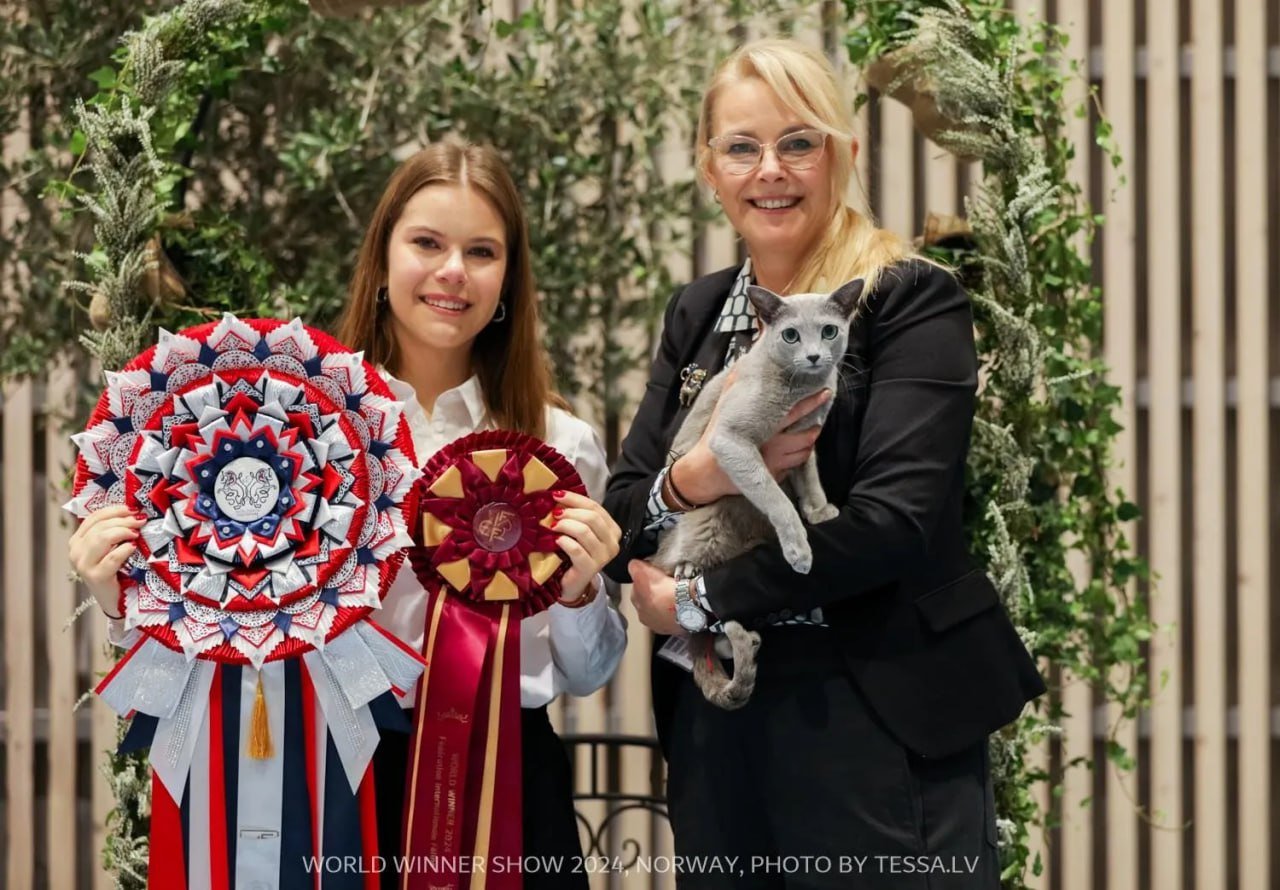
x=846 y=376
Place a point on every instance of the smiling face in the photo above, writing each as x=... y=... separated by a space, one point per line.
x=446 y=263
x=778 y=211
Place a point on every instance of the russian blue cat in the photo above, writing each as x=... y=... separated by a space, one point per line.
x=797 y=354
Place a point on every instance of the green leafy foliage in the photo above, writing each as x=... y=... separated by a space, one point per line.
x=1038 y=495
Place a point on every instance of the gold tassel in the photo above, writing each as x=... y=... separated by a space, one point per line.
x=260 y=747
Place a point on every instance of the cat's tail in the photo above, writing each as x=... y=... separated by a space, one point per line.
x=718 y=687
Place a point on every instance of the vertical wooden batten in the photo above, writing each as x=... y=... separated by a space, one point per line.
x=1164 y=511
x=60 y=604
x=897 y=167
x=1075 y=837
x=1120 y=305
x=1253 y=578
x=18 y=573
x=19 y=631
x=1210 y=591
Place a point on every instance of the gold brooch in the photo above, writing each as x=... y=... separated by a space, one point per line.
x=691 y=380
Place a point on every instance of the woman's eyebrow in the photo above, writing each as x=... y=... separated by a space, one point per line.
x=793 y=128
x=480 y=239
x=420 y=227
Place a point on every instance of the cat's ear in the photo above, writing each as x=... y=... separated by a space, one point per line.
x=768 y=304
x=845 y=299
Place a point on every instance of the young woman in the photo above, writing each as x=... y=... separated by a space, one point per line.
x=882 y=670
x=443 y=301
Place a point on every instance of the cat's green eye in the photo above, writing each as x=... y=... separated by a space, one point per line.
x=829 y=331
x=790 y=335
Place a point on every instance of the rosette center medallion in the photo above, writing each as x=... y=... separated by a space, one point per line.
x=246 y=489
x=497 y=527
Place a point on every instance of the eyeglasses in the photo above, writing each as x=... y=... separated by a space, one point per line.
x=740 y=155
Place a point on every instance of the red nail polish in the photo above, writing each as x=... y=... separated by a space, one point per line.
x=558 y=511
x=557 y=493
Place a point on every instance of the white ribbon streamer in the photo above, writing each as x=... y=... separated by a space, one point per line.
x=174 y=744
x=260 y=803
x=151 y=682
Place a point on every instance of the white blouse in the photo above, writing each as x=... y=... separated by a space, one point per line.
x=561 y=649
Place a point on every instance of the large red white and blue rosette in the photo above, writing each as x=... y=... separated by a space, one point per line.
x=276 y=475
x=488 y=557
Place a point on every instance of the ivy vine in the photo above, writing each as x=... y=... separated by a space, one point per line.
x=1045 y=425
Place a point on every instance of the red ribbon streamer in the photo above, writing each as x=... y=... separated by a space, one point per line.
x=309 y=744
x=445 y=813
x=166 y=864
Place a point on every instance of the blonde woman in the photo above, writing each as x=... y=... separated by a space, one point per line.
x=881 y=671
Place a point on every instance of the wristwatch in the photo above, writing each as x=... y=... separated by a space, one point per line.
x=689 y=614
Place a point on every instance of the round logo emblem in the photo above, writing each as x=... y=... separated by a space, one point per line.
x=497 y=527
x=246 y=489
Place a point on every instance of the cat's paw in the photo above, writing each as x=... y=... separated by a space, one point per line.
x=826 y=512
x=799 y=554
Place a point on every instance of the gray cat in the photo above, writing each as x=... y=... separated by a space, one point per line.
x=797 y=354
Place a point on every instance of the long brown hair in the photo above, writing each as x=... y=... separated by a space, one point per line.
x=507 y=355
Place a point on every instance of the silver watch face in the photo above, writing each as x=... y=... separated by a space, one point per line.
x=691 y=618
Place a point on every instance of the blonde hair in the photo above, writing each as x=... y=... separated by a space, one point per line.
x=852 y=246
x=508 y=357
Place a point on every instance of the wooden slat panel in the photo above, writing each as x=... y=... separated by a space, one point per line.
x=940 y=180
x=1252 y=464
x=18 y=598
x=1076 y=836
x=1209 y=448
x=860 y=190
x=897 y=169
x=1167 y=496
x=19 y=628
x=1038 y=759
x=60 y=603
x=1077 y=786
x=1164 y=472
x=1120 y=336
x=1030 y=11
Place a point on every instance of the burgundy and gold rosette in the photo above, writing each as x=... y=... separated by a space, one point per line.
x=488 y=557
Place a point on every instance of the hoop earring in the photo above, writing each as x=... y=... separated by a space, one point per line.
x=500 y=315
x=382 y=295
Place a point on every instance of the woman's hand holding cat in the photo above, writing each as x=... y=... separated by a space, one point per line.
x=653 y=594
x=699 y=477
x=589 y=536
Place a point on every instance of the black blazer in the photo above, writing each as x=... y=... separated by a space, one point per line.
x=923 y=632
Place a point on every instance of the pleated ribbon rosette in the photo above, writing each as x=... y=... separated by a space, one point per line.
x=488 y=558
x=276 y=476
